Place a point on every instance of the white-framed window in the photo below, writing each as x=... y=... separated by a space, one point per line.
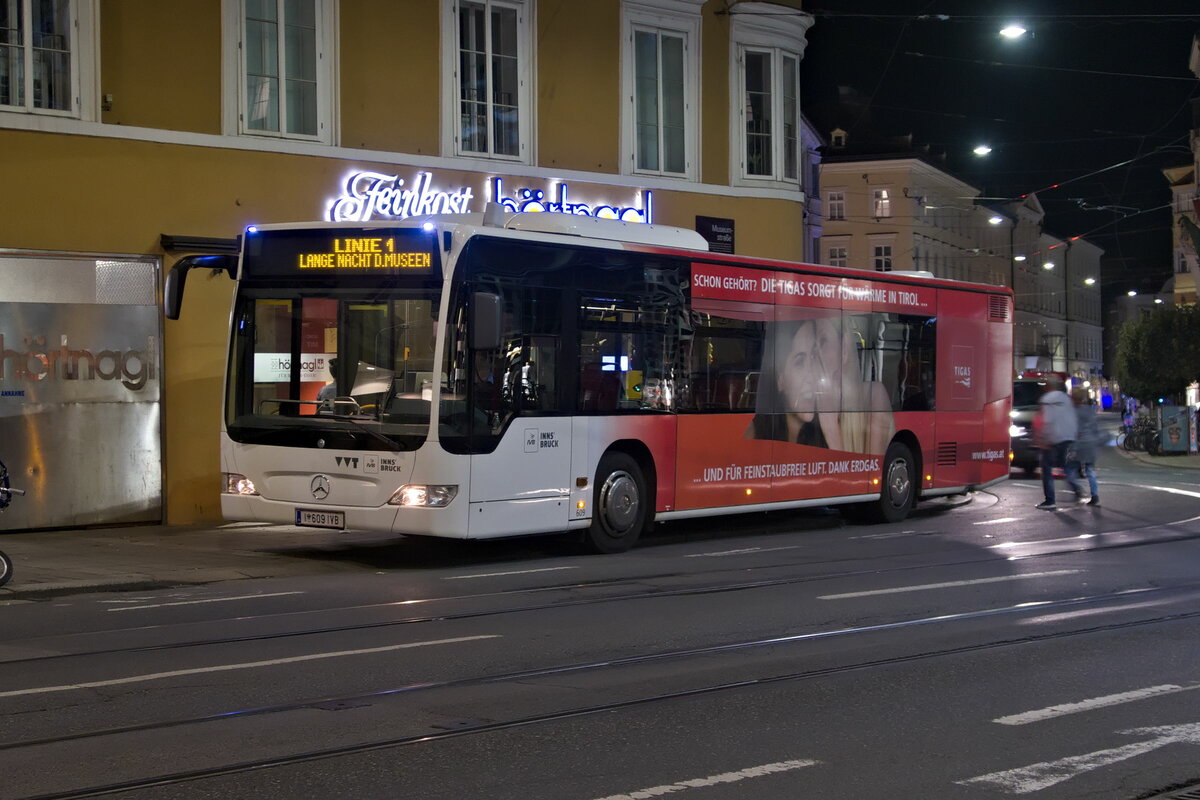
x=47 y=57
x=281 y=69
x=838 y=255
x=660 y=69
x=767 y=44
x=836 y=203
x=881 y=203
x=487 y=105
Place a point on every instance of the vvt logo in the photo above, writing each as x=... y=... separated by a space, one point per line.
x=346 y=461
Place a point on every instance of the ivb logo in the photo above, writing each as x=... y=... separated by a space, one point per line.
x=347 y=461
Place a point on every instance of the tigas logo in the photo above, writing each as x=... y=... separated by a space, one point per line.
x=133 y=368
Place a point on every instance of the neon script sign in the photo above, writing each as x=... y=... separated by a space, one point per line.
x=368 y=195
x=376 y=195
x=535 y=200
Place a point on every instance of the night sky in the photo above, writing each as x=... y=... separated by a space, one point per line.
x=1092 y=85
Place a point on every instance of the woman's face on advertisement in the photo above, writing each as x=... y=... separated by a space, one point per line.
x=828 y=352
x=797 y=371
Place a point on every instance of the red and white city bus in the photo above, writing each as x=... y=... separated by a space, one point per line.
x=498 y=374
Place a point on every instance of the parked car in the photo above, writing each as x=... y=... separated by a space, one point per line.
x=1026 y=392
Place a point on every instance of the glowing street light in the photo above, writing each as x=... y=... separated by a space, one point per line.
x=1132 y=293
x=995 y=220
x=1089 y=281
x=1013 y=31
x=1048 y=265
x=982 y=150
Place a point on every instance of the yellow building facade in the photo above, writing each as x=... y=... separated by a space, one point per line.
x=135 y=132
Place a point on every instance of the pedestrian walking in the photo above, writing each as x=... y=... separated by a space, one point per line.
x=1054 y=430
x=1082 y=458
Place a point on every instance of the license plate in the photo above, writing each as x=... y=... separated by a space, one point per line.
x=312 y=518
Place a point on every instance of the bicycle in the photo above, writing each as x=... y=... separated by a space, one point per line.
x=1140 y=435
x=7 y=492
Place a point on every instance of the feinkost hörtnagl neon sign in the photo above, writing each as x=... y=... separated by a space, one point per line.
x=370 y=195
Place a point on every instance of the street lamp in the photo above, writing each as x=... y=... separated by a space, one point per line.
x=1012 y=31
x=981 y=150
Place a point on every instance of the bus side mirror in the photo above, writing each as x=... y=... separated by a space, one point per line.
x=177 y=277
x=485 y=321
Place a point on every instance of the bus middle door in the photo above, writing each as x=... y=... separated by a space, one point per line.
x=523 y=485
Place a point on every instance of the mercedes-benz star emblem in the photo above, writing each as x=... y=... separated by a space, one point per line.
x=320 y=487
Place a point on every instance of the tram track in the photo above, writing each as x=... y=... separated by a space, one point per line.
x=524 y=677
x=1088 y=546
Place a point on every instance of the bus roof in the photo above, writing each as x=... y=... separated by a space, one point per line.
x=638 y=235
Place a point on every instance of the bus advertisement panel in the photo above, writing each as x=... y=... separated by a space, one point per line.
x=835 y=354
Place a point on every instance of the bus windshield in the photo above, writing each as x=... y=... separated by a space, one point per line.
x=346 y=367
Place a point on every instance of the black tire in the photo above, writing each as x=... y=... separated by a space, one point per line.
x=899 y=490
x=620 y=505
x=6 y=569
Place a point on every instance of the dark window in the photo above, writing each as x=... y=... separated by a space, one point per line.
x=898 y=350
x=723 y=359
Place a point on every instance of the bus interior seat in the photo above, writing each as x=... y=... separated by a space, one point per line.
x=599 y=390
x=727 y=393
x=749 y=394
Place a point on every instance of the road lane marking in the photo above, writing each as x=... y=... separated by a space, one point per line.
x=228 y=667
x=500 y=574
x=714 y=780
x=948 y=584
x=1167 y=489
x=1064 y=709
x=743 y=551
x=877 y=536
x=996 y=521
x=1036 y=777
x=197 y=602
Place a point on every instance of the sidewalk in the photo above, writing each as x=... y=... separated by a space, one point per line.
x=1183 y=461
x=51 y=563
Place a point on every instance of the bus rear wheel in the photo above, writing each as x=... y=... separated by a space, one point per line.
x=898 y=492
x=619 y=505
x=899 y=484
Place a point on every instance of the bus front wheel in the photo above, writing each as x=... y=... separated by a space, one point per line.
x=619 y=504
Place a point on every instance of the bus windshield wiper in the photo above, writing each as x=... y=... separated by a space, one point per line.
x=360 y=425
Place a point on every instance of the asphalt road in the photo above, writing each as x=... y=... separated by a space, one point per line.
x=977 y=650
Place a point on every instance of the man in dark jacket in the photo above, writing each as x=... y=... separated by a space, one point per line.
x=1054 y=428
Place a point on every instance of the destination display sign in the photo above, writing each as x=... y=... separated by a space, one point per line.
x=340 y=251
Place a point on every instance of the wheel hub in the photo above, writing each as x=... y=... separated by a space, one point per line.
x=898 y=482
x=619 y=501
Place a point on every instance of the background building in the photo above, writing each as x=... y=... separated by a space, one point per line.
x=138 y=131
x=900 y=211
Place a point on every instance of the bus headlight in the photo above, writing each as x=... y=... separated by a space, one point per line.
x=424 y=496
x=238 y=484
x=1016 y=431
